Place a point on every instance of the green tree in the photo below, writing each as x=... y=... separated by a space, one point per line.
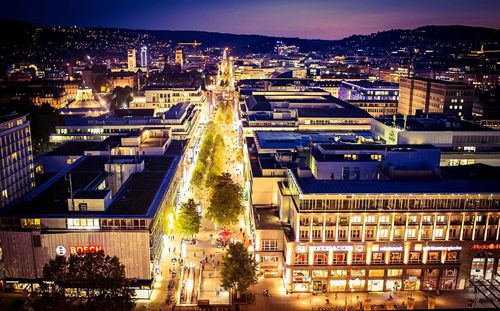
x=239 y=269
x=189 y=220
x=43 y=121
x=99 y=281
x=121 y=97
x=226 y=201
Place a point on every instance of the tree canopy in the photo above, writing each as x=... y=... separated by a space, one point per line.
x=239 y=269
x=189 y=220
x=121 y=97
x=99 y=281
x=226 y=201
x=43 y=120
x=210 y=160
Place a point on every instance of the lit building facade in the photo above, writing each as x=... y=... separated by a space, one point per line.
x=144 y=57
x=387 y=235
x=16 y=158
x=435 y=96
x=132 y=60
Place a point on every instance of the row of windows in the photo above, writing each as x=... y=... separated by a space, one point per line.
x=341 y=258
x=317 y=220
x=386 y=202
x=398 y=233
x=343 y=274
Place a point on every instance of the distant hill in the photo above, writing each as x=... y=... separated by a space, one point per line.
x=450 y=39
x=33 y=42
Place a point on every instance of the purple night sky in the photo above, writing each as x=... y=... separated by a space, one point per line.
x=324 y=19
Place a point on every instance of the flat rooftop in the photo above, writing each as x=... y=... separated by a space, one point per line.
x=343 y=112
x=432 y=123
x=139 y=196
x=291 y=140
x=366 y=84
x=311 y=185
x=267 y=218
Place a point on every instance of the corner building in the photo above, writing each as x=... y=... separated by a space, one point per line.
x=378 y=235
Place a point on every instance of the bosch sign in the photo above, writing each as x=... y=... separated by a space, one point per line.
x=87 y=249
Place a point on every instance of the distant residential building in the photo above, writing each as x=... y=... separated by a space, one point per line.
x=283 y=49
x=16 y=158
x=131 y=60
x=435 y=96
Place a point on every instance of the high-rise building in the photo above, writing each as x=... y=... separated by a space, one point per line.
x=435 y=96
x=17 y=177
x=131 y=60
x=179 y=59
x=144 y=56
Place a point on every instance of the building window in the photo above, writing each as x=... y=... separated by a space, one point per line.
x=433 y=257
x=330 y=234
x=376 y=273
x=358 y=273
x=439 y=233
x=317 y=234
x=301 y=259
x=452 y=256
x=338 y=273
x=356 y=234
x=304 y=234
x=415 y=257
x=370 y=219
x=358 y=259
x=339 y=258
x=269 y=245
x=342 y=234
x=83 y=223
x=394 y=272
x=269 y=259
x=396 y=258
x=411 y=233
x=320 y=258
x=356 y=219
x=377 y=258
x=384 y=233
x=370 y=234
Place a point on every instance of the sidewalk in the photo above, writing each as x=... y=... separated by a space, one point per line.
x=279 y=300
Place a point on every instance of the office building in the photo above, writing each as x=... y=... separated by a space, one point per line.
x=378 y=98
x=182 y=119
x=131 y=60
x=144 y=57
x=309 y=110
x=435 y=96
x=461 y=142
x=118 y=205
x=17 y=176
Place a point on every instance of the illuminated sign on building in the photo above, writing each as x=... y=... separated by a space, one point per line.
x=391 y=248
x=335 y=248
x=443 y=248
x=61 y=250
x=485 y=246
x=87 y=249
